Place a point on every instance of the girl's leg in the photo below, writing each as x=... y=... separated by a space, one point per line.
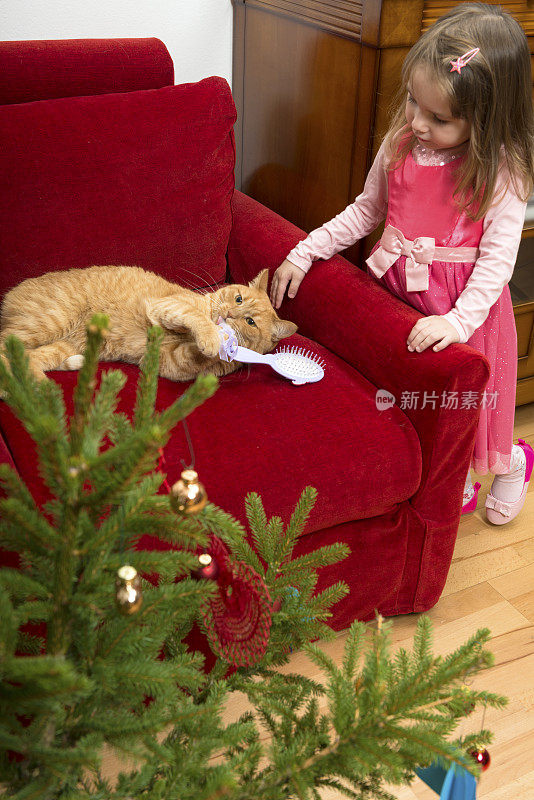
x=508 y=492
x=508 y=487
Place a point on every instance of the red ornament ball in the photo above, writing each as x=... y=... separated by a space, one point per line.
x=207 y=569
x=482 y=757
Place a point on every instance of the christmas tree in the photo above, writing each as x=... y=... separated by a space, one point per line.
x=79 y=673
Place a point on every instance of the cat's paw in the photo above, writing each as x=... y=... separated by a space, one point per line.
x=209 y=341
x=73 y=362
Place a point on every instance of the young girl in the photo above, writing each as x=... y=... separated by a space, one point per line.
x=452 y=178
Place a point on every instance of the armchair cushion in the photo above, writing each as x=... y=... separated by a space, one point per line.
x=273 y=438
x=142 y=178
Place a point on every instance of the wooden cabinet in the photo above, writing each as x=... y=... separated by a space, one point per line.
x=313 y=82
x=522 y=291
x=305 y=87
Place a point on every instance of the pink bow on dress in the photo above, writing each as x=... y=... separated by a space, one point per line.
x=419 y=254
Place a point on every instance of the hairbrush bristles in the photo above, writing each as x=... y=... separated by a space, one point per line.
x=298 y=365
x=300 y=351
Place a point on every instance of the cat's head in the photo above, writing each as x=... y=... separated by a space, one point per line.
x=248 y=311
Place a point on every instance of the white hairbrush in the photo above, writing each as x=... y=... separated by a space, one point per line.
x=293 y=363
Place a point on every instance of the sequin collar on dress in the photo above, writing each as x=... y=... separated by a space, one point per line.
x=434 y=158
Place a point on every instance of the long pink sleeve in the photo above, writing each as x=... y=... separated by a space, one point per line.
x=352 y=224
x=498 y=248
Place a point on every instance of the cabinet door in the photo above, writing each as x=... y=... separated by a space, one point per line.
x=305 y=90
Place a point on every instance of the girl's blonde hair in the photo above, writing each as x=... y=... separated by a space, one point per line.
x=493 y=92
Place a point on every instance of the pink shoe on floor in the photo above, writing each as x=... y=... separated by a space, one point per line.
x=499 y=512
x=471 y=504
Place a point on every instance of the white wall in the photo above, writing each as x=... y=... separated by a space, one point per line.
x=197 y=33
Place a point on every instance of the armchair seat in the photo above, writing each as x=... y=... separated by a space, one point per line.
x=256 y=418
x=134 y=171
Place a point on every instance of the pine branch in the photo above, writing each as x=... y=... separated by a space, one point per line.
x=116 y=470
x=101 y=412
x=8 y=627
x=14 y=487
x=201 y=390
x=17 y=384
x=186 y=592
x=35 y=534
x=150 y=678
x=422 y=641
x=33 y=681
x=353 y=648
x=119 y=519
x=297 y=524
x=39 y=789
x=29 y=644
x=257 y=520
x=232 y=532
x=83 y=393
x=322 y=557
x=147 y=383
x=120 y=427
x=271 y=537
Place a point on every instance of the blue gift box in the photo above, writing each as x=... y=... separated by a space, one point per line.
x=456 y=783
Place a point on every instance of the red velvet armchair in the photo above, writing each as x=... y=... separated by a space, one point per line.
x=104 y=161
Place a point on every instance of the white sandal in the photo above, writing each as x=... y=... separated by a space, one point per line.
x=499 y=512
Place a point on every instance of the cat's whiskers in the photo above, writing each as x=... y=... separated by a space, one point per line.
x=188 y=285
x=209 y=286
x=194 y=287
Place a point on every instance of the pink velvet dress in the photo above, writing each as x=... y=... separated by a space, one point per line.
x=420 y=203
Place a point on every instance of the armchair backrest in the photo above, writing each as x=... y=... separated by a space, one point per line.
x=118 y=175
x=42 y=70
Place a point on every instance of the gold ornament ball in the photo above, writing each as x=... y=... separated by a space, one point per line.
x=188 y=495
x=129 y=595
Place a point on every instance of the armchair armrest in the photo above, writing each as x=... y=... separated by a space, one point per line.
x=351 y=314
x=348 y=311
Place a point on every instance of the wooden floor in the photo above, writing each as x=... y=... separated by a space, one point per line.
x=490 y=584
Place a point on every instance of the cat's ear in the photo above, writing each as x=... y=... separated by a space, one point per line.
x=260 y=281
x=282 y=329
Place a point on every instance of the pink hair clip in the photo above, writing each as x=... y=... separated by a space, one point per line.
x=461 y=61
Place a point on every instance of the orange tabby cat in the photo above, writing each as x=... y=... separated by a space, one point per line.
x=49 y=314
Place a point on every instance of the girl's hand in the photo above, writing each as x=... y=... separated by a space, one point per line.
x=287 y=273
x=428 y=331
